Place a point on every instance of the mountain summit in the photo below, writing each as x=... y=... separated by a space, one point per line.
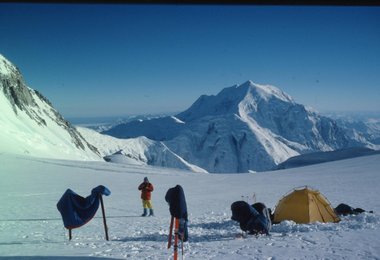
x=244 y=128
x=30 y=125
x=235 y=99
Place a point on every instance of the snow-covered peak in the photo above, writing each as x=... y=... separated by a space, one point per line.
x=6 y=67
x=177 y=120
x=246 y=127
x=230 y=100
x=266 y=91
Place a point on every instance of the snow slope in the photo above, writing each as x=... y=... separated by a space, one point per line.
x=244 y=128
x=139 y=150
x=322 y=157
x=31 y=228
x=30 y=125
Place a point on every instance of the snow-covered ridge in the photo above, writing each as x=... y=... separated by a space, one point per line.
x=228 y=100
x=6 y=67
x=29 y=124
x=323 y=157
x=177 y=120
x=140 y=151
x=266 y=91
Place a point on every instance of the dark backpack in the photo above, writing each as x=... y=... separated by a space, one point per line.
x=253 y=219
x=344 y=210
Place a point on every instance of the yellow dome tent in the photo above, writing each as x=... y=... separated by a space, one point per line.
x=304 y=205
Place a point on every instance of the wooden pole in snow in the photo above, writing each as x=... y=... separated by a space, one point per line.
x=104 y=217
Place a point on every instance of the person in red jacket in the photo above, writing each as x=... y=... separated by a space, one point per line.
x=146 y=189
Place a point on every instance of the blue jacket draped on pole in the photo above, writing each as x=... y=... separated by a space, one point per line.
x=177 y=207
x=76 y=210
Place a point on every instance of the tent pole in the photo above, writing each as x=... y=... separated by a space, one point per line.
x=70 y=236
x=104 y=217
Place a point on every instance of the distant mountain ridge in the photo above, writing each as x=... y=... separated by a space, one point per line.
x=140 y=151
x=29 y=124
x=322 y=157
x=365 y=129
x=247 y=127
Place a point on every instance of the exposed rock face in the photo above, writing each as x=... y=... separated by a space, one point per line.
x=24 y=101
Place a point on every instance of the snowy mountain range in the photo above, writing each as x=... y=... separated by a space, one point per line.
x=367 y=128
x=29 y=124
x=244 y=128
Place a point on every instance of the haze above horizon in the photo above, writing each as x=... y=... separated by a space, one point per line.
x=109 y=60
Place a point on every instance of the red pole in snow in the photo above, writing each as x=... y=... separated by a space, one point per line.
x=170 y=232
x=176 y=234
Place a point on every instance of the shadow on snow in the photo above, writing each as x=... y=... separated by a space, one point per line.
x=200 y=232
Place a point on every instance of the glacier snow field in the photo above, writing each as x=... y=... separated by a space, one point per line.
x=31 y=226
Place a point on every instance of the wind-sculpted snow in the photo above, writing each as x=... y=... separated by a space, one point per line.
x=244 y=128
x=30 y=124
x=348 y=223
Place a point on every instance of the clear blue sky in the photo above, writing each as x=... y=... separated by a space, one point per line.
x=105 y=60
